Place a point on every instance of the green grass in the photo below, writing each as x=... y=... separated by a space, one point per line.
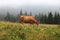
x=17 y=31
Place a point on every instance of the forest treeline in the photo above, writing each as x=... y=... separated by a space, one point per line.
x=41 y=18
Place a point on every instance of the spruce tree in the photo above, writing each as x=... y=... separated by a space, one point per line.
x=7 y=18
x=45 y=18
x=21 y=12
x=42 y=18
x=39 y=17
x=26 y=13
x=58 y=18
x=50 y=18
x=30 y=13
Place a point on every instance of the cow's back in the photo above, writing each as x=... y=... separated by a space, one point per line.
x=26 y=18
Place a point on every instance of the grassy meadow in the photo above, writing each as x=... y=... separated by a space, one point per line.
x=18 y=31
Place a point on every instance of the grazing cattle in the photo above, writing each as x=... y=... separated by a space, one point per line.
x=28 y=19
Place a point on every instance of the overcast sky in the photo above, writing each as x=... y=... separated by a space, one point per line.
x=29 y=2
x=30 y=5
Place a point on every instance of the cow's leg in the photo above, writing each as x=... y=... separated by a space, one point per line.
x=30 y=24
x=21 y=21
x=22 y=24
x=33 y=25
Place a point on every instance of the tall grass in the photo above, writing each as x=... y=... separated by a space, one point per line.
x=17 y=31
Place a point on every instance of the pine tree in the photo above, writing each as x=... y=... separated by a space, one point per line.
x=26 y=13
x=45 y=18
x=17 y=18
x=21 y=12
x=58 y=18
x=30 y=13
x=42 y=18
x=54 y=18
x=7 y=18
x=12 y=18
x=39 y=17
x=50 y=18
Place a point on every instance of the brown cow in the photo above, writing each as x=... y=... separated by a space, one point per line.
x=28 y=19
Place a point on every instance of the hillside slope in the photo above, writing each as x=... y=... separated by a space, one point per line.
x=18 y=31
